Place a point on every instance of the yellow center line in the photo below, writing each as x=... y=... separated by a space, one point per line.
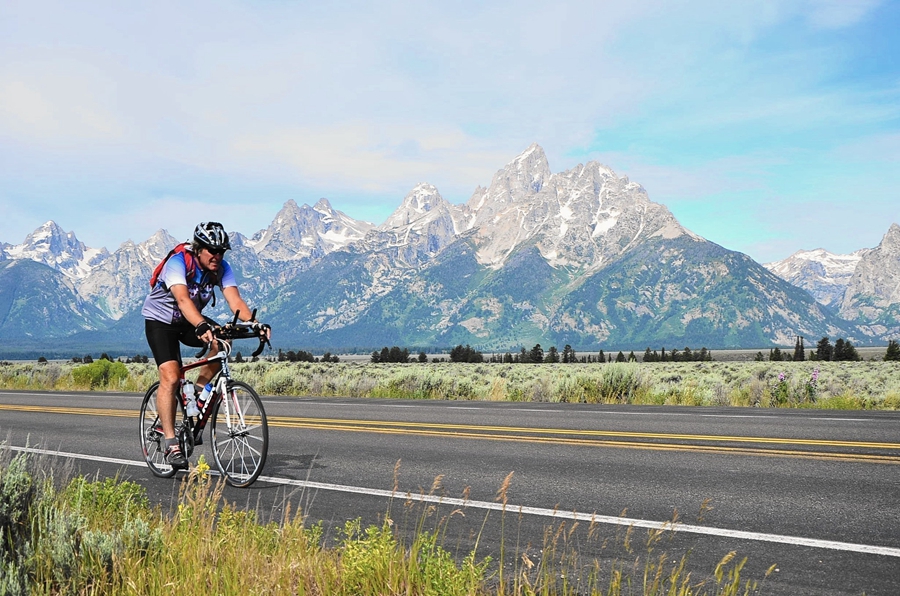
x=556 y=436
x=877 y=458
x=592 y=433
x=71 y=410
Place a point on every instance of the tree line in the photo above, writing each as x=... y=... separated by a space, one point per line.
x=298 y=356
x=842 y=350
x=537 y=355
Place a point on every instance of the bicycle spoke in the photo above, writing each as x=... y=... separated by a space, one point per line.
x=152 y=441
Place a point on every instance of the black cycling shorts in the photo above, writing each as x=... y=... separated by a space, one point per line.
x=164 y=339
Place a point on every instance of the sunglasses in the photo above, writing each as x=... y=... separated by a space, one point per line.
x=216 y=251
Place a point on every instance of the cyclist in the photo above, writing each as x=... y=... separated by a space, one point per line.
x=172 y=314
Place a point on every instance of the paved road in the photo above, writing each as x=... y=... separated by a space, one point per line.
x=814 y=493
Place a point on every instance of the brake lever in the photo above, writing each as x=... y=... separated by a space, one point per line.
x=203 y=350
x=263 y=342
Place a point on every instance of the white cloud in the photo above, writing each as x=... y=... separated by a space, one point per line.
x=373 y=98
x=57 y=102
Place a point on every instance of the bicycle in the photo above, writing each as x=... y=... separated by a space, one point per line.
x=239 y=432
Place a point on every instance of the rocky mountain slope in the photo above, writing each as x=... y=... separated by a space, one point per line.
x=582 y=257
x=39 y=302
x=823 y=274
x=872 y=299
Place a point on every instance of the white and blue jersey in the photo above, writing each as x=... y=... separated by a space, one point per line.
x=160 y=304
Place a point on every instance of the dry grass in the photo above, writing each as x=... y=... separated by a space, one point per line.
x=103 y=538
x=843 y=385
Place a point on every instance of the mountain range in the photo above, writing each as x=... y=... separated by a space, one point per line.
x=581 y=257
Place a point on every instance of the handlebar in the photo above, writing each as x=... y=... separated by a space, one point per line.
x=235 y=330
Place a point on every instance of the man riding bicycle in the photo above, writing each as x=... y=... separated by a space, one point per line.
x=172 y=313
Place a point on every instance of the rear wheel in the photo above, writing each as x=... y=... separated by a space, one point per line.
x=239 y=435
x=153 y=442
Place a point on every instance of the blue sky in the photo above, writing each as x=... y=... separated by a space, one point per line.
x=767 y=126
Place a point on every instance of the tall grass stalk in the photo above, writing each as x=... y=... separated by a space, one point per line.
x=102 y=537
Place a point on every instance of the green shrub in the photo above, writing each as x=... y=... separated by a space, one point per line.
x=19 y=497
x=371 y=558
x=116 y=501
x=101 y=373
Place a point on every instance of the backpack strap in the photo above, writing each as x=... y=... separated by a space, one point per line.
x=190 y=263
x=190 y=268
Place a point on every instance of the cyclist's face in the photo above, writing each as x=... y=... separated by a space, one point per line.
x=211 y=259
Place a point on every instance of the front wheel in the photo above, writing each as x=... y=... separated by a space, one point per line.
x=239 y=434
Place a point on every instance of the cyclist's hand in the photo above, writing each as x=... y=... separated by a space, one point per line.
x=263 y=330
x=205 y=332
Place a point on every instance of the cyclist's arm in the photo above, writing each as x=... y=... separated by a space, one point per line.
x=236 y=303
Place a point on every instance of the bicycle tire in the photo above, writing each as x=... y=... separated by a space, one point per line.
x=239 y=435
x=152 y=440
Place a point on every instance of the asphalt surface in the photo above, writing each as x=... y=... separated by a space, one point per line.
x=813 y=493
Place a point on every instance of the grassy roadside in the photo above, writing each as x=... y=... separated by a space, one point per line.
x=835 y=385
x=64 y=535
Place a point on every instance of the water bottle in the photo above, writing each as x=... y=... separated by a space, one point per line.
x=204 y=395
x=190 y=407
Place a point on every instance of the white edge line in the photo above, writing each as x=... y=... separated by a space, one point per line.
x=538 y=511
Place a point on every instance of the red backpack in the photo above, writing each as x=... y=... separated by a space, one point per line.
x=190 y=264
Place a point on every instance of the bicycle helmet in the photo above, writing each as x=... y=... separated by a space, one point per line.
x=211 y=235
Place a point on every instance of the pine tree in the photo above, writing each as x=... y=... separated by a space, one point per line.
x=523 y=356
x=648 y=355
x=824 y=350
x=620 y=357
x=838 y=354
x=893 y=351
x=799 y=350
x=537 y=354
x=552 y=355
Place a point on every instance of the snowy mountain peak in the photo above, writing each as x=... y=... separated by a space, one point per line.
x=823 y=274
x=421 y=200
x=578 y=218
x=519 y=180
x=322 y=206
x=529 y=171
x=53 y=246
x=891 y=239
x=300 y=233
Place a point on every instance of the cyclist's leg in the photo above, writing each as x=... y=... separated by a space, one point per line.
x=166 y=402
x=163 y=341
x=209 y=370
